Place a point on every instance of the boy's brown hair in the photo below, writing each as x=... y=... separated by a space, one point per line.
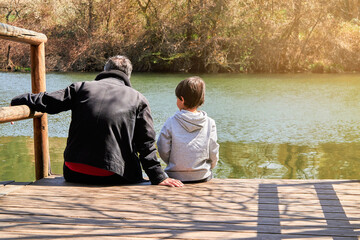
x=192 y=90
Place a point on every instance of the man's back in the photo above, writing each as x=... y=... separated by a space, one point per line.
x=102 y=132
x=111 y=126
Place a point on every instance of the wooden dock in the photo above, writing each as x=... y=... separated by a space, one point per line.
x=221 y=209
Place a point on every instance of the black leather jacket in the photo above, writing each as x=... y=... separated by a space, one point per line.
x=111 y=125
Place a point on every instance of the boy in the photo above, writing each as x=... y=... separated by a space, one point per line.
x=187 y=141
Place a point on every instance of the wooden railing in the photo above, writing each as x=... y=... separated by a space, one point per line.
x=38 y=84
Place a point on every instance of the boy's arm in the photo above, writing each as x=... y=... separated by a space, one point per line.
x=164 y=143
x=213 y=146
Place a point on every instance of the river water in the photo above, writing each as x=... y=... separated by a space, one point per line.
x=290 y=126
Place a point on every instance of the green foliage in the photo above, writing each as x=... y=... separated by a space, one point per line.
x=22 y=69
x=317 y=67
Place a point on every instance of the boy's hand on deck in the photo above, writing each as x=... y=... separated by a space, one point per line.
x=171 y=183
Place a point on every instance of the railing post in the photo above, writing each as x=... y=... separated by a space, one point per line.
x=38 y=84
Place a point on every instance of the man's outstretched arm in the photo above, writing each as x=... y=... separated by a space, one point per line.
x=52 y=103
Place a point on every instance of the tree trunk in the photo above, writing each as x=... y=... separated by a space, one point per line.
x=9 y=64
x=90 y=26
x=108 y=19
x=189 y=21
x=143 y=10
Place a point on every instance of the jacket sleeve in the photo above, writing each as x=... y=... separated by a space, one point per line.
x=213 y=146
x=144 y=137
x=52 y=103
x=164 y=143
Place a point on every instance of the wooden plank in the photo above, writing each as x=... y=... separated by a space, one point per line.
x=68 y=229
x=54 y=201
x=163 y=231
x=218 y=184
x=180 y=211
x=58 y=180
x=11 y=187
x=161 y=191
x=174 y=207
x=164 y=194
x=207 y=190
x=17 y=34
x=15 y=113
x=215 y=216
x=245 y=223
x=15 y=235
x=213 y=188
x=11 y=235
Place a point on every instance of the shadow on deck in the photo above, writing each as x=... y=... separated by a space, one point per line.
x=220 y=209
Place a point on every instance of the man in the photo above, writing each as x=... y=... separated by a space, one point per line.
x=111 y=132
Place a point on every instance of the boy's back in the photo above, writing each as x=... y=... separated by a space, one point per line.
x=187 y=143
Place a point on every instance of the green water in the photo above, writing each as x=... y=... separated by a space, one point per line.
x=302 y=126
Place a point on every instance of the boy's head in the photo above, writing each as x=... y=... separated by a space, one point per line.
x=192 y=91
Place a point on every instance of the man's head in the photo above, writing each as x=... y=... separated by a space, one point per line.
x=120 y=63
x=192 y=91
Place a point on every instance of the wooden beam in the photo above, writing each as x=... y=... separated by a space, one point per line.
x=15 y=113
x=38 y=83
x=21 y=35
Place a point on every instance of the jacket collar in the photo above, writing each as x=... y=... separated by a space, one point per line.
x=114 y=74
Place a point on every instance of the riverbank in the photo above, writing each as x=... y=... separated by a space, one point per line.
x=192 y=36
x=321 y=70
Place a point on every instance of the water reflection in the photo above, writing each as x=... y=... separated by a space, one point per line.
x=17 y=157
x=237 y=160
x=289 y=161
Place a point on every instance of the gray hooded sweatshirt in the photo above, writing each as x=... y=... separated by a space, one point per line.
x=188 y=145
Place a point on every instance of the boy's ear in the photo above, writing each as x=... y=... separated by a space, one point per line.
x=182 y=99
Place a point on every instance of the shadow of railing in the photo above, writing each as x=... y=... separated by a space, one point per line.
x=338 y=225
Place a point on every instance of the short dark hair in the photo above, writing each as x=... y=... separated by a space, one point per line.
x=120 y=63
x=192 y=90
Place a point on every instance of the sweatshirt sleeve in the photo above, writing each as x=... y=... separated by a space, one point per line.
x=213 y=146
x=144 y=137
x=164 y=142
x=52 y=103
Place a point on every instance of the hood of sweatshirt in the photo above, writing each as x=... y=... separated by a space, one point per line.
x=191 y=121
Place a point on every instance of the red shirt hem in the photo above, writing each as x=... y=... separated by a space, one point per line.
x=88 y=170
